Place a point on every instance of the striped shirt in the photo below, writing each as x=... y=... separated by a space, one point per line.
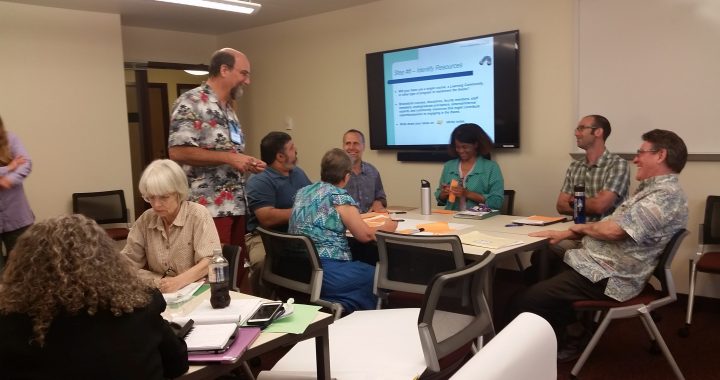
x=610 y=173
x=192 y=237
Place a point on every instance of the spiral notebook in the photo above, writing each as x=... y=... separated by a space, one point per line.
x=244 y=337
x=216 y=338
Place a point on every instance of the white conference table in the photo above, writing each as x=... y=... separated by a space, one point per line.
x=496 y=225
x=266 y=342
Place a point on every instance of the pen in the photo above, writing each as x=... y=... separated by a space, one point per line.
x=398 y=220
x=397 y=212
x=513 y=225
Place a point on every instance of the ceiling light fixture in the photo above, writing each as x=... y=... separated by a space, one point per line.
x=246 y=7
x=197 y=72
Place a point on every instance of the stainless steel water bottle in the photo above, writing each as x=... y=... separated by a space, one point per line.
x=424 y=197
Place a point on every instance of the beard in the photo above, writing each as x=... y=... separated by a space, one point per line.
x=237 y=92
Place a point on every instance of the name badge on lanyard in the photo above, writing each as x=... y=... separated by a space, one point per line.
x=235 y=136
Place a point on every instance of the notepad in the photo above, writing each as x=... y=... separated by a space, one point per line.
x=476 y=214
x=480 y=239
x=537 y=220
x=210 y=337
x=183 y=294
x=244 y=337
x=238 y=311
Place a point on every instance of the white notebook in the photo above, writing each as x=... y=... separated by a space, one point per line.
x=183 y=294
x=237 y=312
x=210 y=337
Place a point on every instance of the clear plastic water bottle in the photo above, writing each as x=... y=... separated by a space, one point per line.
x=579 y=207
x=219 y=279
x=424 y=197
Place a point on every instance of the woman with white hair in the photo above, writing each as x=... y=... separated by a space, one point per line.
x=172 y=243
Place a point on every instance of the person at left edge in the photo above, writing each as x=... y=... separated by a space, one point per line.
x=72 y=308
x=172 y=243
x=271 y=195
x=206 y=138
x=15 y=213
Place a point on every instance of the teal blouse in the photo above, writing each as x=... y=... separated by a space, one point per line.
x=485 y=178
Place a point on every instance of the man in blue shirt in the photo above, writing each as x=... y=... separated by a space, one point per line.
x=365 y=185
x=271 y=195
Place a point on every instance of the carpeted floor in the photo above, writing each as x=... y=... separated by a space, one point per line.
x=622 y=353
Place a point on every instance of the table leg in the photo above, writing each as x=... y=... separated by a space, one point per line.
x=322 y=354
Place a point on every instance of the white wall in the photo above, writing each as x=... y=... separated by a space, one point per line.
x=63 y=94
x=143 y=45
x=313 y=70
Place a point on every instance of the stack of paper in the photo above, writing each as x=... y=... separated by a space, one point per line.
x=183 y=294
x=537 y=220
x=237 y=312
x=480 y=239
x=476 y=214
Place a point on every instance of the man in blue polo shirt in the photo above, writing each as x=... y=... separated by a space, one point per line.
x=365 y=185
x=271 y=195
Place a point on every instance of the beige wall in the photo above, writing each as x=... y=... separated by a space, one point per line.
x=313 y=70
x=63 y=93
x=143 y=45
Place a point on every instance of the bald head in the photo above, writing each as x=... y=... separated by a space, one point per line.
x=228 y=57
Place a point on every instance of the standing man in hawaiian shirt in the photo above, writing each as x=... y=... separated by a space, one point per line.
x=206 y=138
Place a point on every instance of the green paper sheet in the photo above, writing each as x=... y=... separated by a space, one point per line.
x=297 y=322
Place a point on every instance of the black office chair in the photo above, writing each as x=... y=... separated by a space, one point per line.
x=508 y=202
x=292 y=263
x=454 y=314
x=407 y=263
x=232 y=255
x=640 y=306
x=707 y=259
x=105 y=207
x=507 y=209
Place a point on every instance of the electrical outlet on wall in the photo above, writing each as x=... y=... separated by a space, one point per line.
x=289 y=123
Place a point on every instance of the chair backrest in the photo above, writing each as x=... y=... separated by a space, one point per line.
x=508 y=202
x=454 y=313
x=105 y=207
x=292 y=262
x=663 y=270
x=232 y=255
x=525 y=349
x=407 y=263
x=711 y=225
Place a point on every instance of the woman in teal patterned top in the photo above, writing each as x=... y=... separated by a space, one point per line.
x=479 y=180
x=323 y=211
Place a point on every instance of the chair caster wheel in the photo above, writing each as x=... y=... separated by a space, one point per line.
x=684 y=332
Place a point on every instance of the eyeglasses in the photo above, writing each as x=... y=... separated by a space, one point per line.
x=641 y=151
x=581 y=128
x=164 y=199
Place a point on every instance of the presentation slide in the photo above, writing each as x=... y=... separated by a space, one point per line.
x=434 y=89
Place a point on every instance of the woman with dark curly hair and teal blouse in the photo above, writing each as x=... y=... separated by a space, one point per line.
x=323 y=211
x=471 y=178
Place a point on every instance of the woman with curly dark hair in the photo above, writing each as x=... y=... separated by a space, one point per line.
x=71 y=307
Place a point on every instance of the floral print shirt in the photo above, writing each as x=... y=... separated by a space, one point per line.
x=200 y=120
x=650 y=218
x=315 y=216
